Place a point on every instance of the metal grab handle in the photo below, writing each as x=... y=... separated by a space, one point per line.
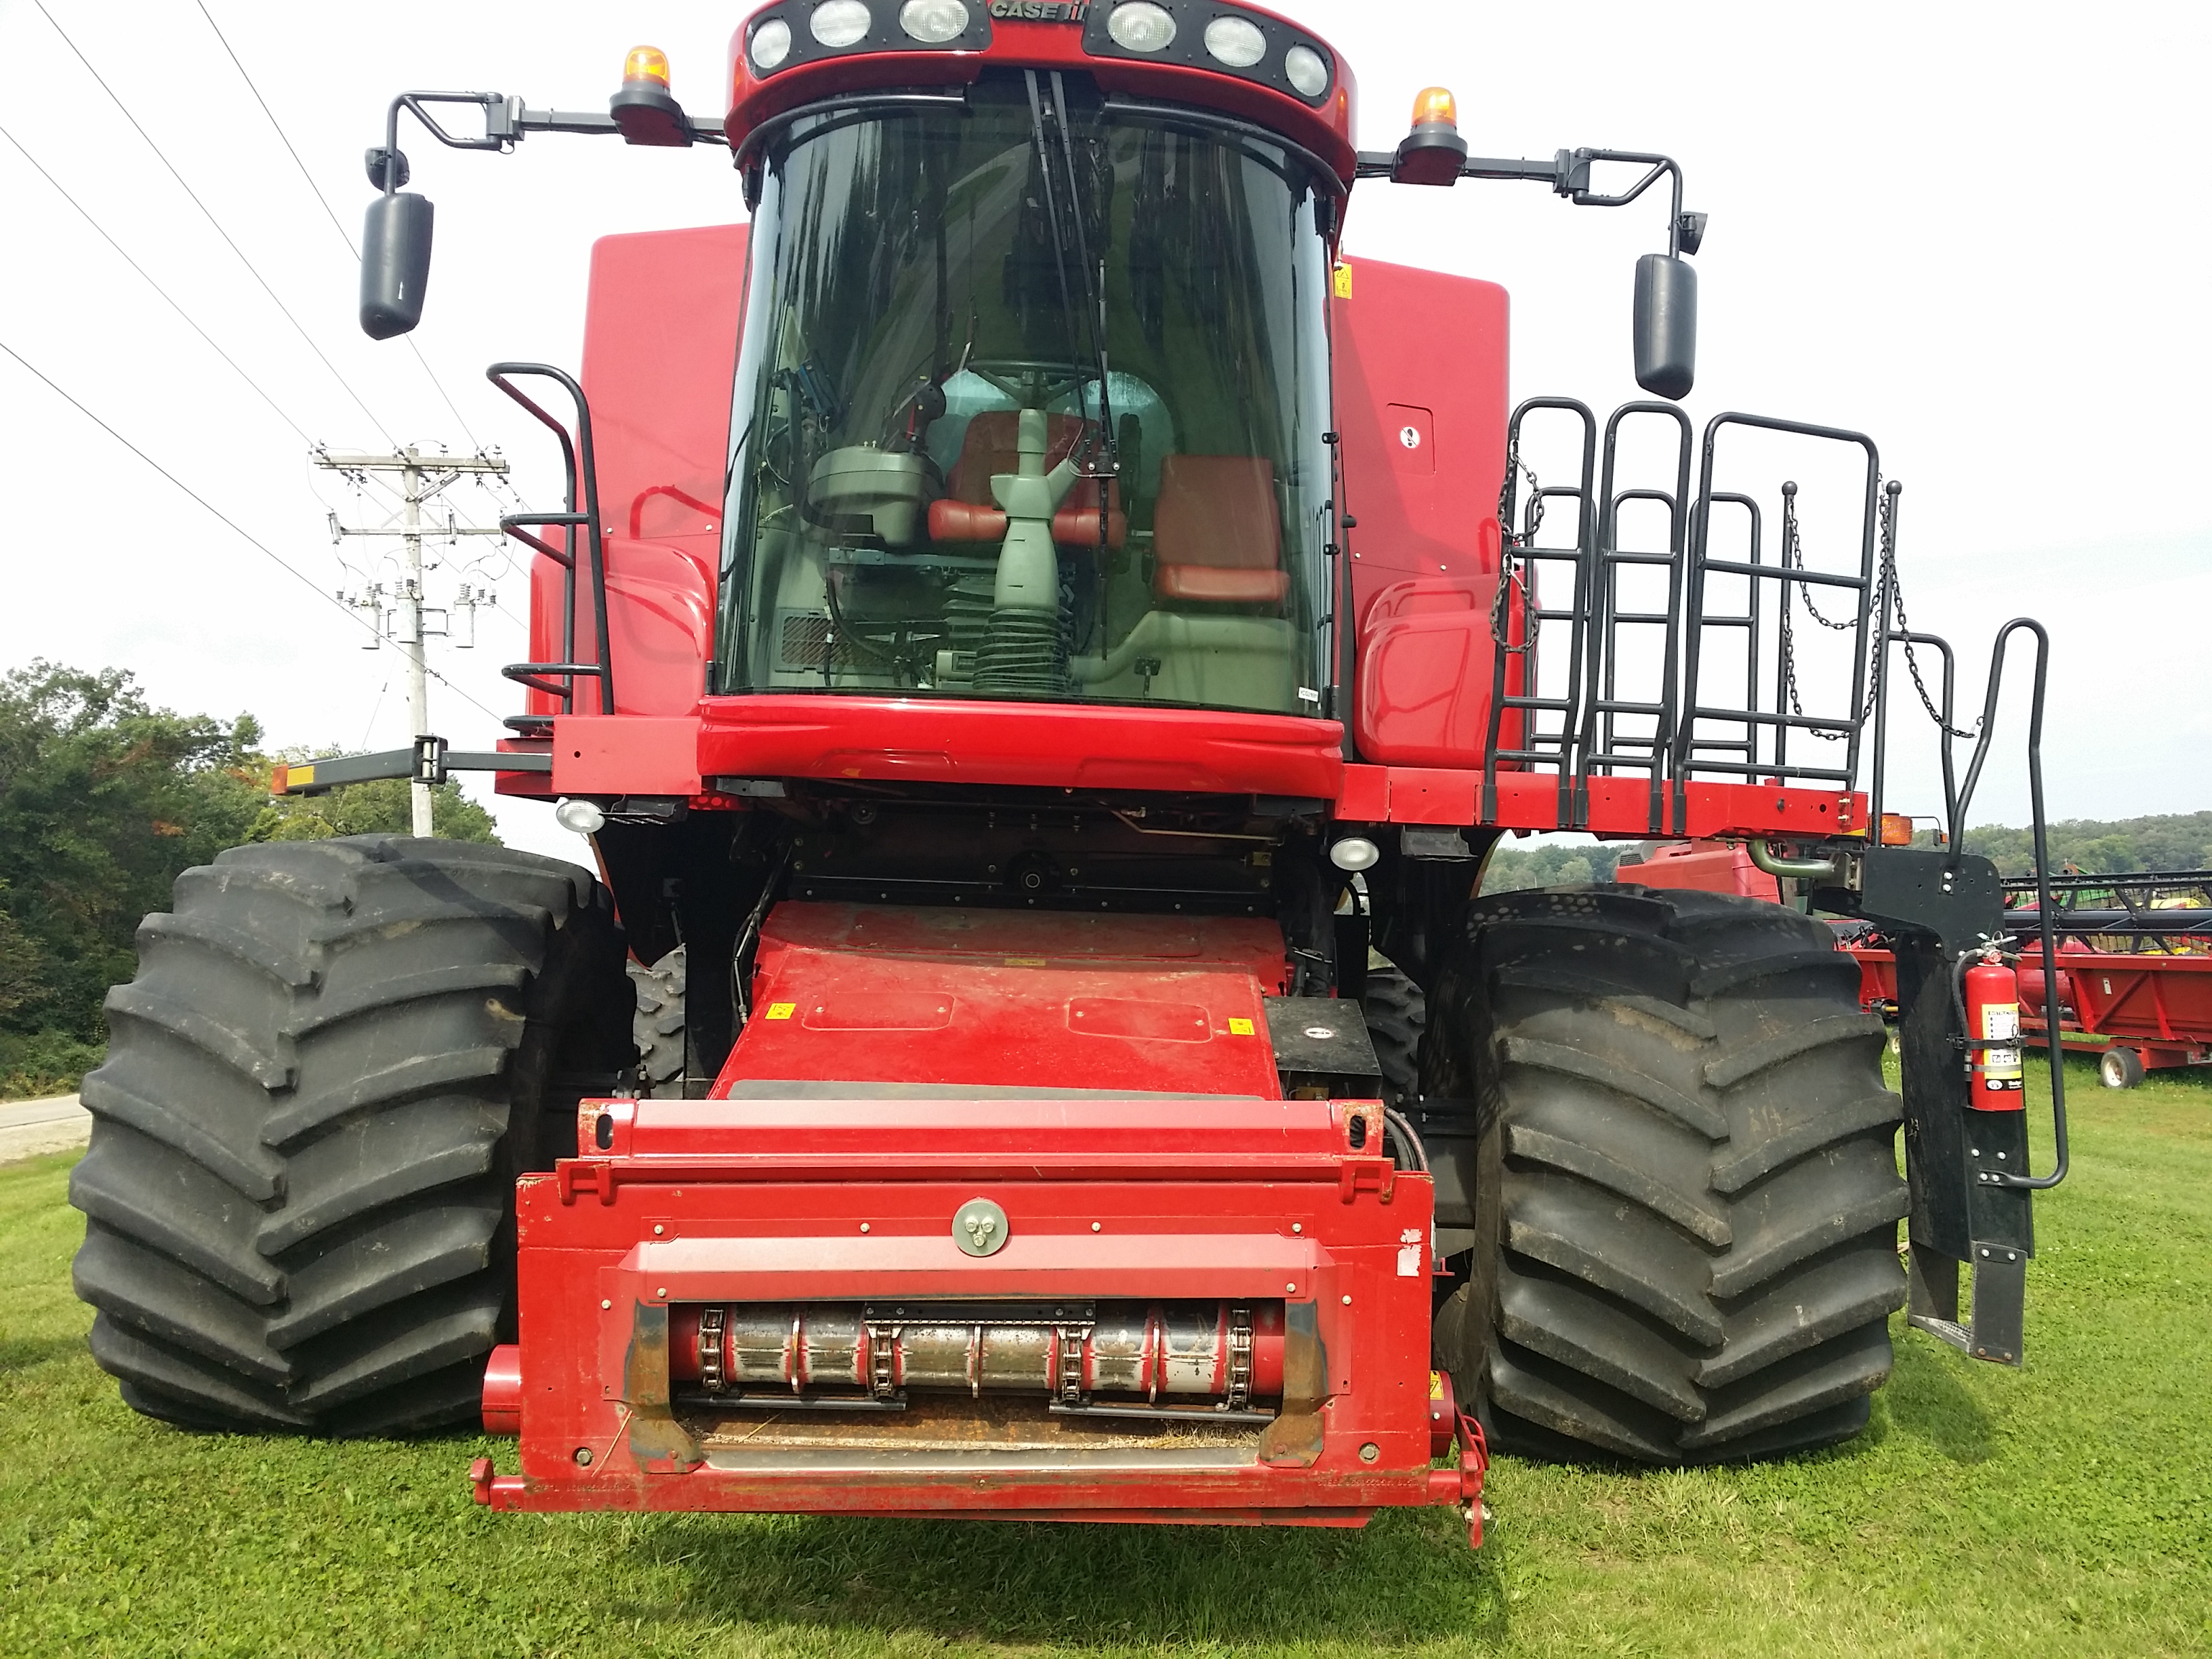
x=580 y=463
x=2057 y=1048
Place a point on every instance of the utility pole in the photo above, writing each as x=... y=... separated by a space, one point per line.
x=421 y=478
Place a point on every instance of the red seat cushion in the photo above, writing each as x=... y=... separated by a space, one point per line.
x=1217 y=533
x=990 y=446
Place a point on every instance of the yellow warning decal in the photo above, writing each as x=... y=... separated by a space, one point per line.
x=781 y=1010
x=1343 y=280
x=1240 y=1028
x=1025 y=962
x=1435 y=1385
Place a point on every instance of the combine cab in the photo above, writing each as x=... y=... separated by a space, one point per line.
x=1042 y=645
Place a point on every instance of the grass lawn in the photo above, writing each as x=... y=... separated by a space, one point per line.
x=2065 y=1508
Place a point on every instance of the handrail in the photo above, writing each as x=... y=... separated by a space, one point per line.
x=2031 y=1183
x=580 y=462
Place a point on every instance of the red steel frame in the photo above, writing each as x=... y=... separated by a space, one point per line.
x=703 y=1201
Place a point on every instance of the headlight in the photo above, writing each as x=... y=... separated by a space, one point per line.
x=933 y=22
x=1353 y=852
x=1140 y=25
x=1308 y=70
x=582 y=817
x=1235 y=42
x=839 y=22
x=771 y=44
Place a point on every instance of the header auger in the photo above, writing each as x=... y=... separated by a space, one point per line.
x=1041 y=645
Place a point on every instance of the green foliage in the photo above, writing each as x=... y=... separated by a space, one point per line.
x=2060 y=1509
x=104 y=800
x=368 y=809
x=36 y=1064
x=2172 y=841
x=1553 y=865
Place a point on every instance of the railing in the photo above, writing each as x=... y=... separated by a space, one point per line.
x=1521 y=584
x=1605 y=750
x=558 y=680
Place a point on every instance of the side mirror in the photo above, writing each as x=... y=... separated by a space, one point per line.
x=1666 y=325
x=395 y=265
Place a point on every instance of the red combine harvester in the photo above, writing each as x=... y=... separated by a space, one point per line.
x=1042 y=646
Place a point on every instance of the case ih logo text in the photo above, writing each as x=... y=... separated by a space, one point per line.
x=1042 y=11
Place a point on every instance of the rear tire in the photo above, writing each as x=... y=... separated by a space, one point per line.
x=1396 y=1016
x=658 y=1029
x=2119 y=1068
x=1687 y=1195
x=335 y=1059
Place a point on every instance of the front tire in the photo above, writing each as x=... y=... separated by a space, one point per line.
x=335 y=1057
x=1686 y=1192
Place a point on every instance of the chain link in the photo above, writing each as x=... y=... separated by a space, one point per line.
x=1887 y=593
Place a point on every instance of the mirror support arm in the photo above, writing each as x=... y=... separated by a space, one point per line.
x=1568 y=173
x=507 y=121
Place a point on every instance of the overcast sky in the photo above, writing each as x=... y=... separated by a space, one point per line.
x=1968 y=229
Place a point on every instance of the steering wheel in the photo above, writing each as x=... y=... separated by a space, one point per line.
x=1022 y=379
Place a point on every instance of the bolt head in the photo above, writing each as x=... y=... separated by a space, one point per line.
x=1369 y=1452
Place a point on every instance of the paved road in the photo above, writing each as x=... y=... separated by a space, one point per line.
x=28 y=1128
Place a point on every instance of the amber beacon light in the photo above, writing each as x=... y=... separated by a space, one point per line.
x=1432 y=152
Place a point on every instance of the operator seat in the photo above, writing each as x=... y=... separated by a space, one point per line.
x=990 y=446
x=1218 y=532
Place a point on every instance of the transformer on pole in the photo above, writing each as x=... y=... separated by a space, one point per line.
x=422 y=477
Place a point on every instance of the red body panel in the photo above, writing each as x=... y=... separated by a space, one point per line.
x=1056 y=745
x=846 y=994
x=660 y=340
x=1420 y=368
x=1705 y=866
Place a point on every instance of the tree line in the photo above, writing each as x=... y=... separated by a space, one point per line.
x=104 y=800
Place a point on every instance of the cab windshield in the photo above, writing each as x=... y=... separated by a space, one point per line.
x=1030 y=405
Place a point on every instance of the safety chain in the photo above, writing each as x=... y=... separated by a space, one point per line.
x=1240 y=1358
x=711 y=1375
x=1515 y=576
x=1887 y=593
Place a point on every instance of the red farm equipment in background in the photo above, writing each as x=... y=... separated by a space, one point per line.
x=1041 y=644
x=2133 y=985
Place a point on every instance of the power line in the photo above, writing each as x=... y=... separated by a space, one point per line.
x=252 y=269
x=247 y=536
x=336 y=224
x=86 y=214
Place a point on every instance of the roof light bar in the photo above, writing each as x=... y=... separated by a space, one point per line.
x=1215 y=36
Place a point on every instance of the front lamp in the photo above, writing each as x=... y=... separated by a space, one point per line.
x=837 y=23
x=1140 y=25
x=1235 y=42
x=932 y=22
x=771 y=45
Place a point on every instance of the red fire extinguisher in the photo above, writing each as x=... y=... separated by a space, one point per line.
x=1992 y=997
